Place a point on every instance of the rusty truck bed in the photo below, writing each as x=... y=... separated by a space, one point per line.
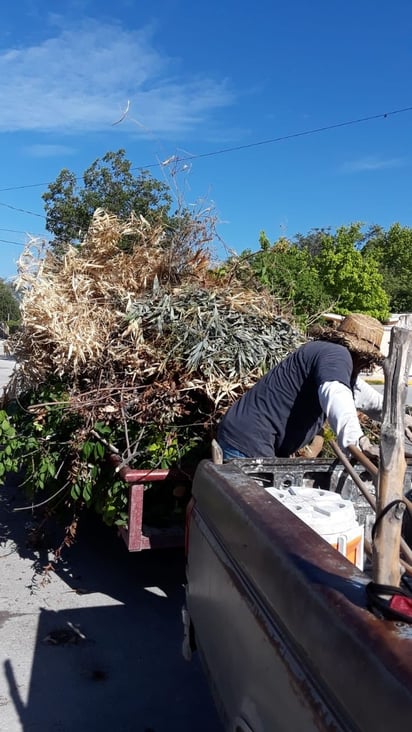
x=280 y=616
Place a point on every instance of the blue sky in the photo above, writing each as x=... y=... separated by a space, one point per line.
x=205 y=77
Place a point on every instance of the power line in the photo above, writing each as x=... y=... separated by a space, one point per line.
x=14 y=231
x=22 y=210
x=18 y=188
x=294 y=135
x=30 y=185
x=222 y=151
x=8 y=241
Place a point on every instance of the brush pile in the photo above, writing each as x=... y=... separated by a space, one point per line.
x=136 y=351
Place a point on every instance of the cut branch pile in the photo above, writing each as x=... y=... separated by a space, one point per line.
x=150 y=343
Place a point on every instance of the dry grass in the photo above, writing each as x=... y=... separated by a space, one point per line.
x=73 y=310
x=149 y=331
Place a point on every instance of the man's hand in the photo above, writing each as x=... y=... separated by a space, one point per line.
x=371 y=451
x=408 y=426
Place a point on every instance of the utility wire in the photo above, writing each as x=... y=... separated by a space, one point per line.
x=292 y=135
x=14 y=231
x=22 y=210
x=222 y=151
x=8 y=241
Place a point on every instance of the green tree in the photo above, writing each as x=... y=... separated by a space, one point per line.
x=312 y=241
x=9 y=305
x=392 y=250
x=350 y=278
x=320 y=271
x=288 y=272
x=108 y=183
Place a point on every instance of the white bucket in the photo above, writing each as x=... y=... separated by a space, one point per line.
x=327 y=513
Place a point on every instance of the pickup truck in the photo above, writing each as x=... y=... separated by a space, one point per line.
x=279 y=616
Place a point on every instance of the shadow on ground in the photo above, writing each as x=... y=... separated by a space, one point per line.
x=114 y=662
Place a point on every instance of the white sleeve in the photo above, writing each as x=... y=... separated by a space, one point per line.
x=368 y=399
x=338 y=404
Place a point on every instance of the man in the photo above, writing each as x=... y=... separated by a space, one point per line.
x=320 y=380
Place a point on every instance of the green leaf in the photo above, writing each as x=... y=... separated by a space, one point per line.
x=51 y=468
x=100 y=450
x=87 y=449
x=87 y=492
x=75 y=491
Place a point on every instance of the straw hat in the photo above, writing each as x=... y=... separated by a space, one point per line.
x=359 y=333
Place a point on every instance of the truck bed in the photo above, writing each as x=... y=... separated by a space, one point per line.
x=280 y=617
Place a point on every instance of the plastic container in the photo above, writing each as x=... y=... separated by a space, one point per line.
x=327 y=513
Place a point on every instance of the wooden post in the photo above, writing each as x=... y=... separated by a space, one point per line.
x=386 y=545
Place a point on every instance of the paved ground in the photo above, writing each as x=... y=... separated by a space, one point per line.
x=97 y=647
x=6 y=367
x=408 y=399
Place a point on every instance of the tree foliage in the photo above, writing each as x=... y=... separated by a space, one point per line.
x=351 y=280
x=108 y=183
x=9 y=305
x=392 y=250
x=288 y=272
x=321 y=271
